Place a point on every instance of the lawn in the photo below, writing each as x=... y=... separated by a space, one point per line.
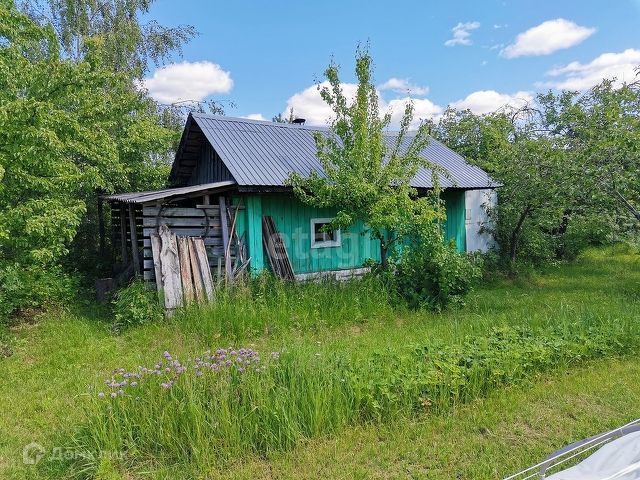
x=55 y=362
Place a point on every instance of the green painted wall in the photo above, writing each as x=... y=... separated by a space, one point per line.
x=293 y=220
x=454 y=226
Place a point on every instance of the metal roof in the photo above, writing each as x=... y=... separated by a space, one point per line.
x=154 y=195
x=259 y=153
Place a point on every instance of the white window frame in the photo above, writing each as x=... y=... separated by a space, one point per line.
x=326 y=244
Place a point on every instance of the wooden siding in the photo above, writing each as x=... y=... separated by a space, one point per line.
x=209 y=168
x=454 y=227
x=293 y=220
x=183 y=222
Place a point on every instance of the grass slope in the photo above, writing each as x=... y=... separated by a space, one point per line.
x=489 y=438
x=44 y=382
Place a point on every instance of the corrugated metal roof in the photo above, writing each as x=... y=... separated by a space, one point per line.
x=154 y=195
x=259 y=153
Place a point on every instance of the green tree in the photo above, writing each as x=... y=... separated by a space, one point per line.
x=129 y=44
x=67 y=131
x=601 y=129
x=366 y=171
x=531 y=166
x=568 y=164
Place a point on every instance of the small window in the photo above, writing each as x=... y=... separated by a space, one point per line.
x=468 y=215
x=321 y=234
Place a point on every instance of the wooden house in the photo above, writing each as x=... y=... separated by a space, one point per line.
x=230 y=174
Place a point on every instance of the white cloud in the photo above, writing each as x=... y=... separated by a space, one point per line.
x=186 y=81
x=308 y=104
x=462 y=34
x=547 y=38
x=581 y=76
x=254 y=116
x=423 y=109
x=402 y=85
x=487 y=101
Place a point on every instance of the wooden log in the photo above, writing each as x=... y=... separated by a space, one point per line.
x=185 y=270
x=134 y=239
x=156 y=247
x=195 y=271
x=205 y=271
x=104 y=286
x=169 y=259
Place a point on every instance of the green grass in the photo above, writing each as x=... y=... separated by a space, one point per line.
x=43 y=389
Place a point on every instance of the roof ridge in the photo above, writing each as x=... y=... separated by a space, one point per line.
x=227 y=118
x=230 y=119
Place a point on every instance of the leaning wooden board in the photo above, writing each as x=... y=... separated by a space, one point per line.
x=203 y=221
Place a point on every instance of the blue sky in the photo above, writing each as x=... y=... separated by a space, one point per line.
x=266 y=55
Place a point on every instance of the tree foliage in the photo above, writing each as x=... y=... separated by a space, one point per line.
x=367 y=172
x=69 y=130
x=568 y=165
x=128 y=44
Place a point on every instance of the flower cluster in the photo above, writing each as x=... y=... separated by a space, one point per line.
x=169 y=369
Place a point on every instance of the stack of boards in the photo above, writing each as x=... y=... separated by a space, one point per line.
x=276 y=250
x=181 y=268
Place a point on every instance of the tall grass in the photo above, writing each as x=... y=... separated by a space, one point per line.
x=269 y=306
x=260 y=404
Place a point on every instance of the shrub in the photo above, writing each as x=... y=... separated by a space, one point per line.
x=31 y=288
x=135 y=304
x=434 y=276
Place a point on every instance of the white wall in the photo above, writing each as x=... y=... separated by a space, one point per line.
x=476 y=202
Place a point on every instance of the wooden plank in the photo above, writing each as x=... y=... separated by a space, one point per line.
x=156 y=247
x=170 y=269
x=225 y=236
x=187 y=231
x=232 y=234
x=254 y=232
x=134 y=239
x=276 y=250
x=212 y=252
x=230 y=207
x=185 y=270
x=203 y=263
x=212 y=211
x=209 y=242
x=213 y=261
x=181 y=221
x=195 y=270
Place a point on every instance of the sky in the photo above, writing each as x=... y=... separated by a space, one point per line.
x=266 y=57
